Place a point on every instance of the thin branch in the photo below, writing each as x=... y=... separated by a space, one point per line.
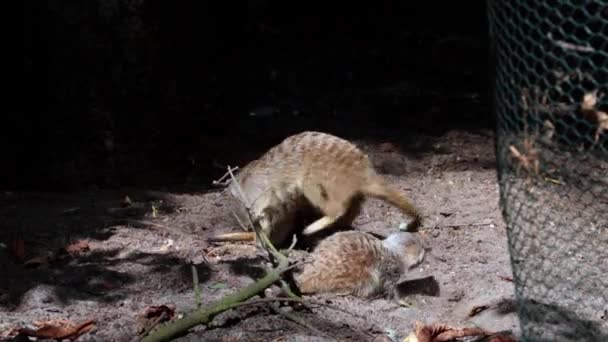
x=297 y=319
x=197 y=290
x=221 y=181
x=204 y=315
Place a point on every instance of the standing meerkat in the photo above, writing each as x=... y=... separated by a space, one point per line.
x=359 y=264
x=308 y=170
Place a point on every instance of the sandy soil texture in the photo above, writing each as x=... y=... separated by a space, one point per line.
x=138 y=255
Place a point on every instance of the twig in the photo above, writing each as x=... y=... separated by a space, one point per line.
x=460 y=225
x=294 y=240
x=297 y=319
x=153 y=325
x=197 y=290
x=266 y=300
x=280 y=259
x=221 y=181
x=204 y=315
x=298 y=264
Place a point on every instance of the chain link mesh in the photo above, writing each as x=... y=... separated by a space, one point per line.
x=550 y=97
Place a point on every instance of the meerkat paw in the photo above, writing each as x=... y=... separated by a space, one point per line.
x=318 y=225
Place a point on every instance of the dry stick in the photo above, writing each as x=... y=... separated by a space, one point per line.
x=294 y=240
x=297 y=319
x=223 y=182
x=197 y=290
x=460 y=225
x=205 y=314
x=280 y=258
x=156 y=321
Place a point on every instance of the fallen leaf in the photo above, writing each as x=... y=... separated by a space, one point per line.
x=500 y=337
x=77 y=247
x=505 y=278
x=441 y=333
x=594 y=115
x=477 y=309
x=158 y=310
x=154 y=315
x=58 y=329
x=9 y=333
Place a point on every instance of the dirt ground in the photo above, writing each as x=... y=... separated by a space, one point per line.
x=139 y=254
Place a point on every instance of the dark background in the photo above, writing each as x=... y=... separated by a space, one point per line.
x=149 y=92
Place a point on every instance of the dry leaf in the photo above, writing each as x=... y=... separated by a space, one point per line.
x=154 y=315
x=58 y=329
x=500 y=337
x=441 y=333
x=77 y=247
x=478 y=309
x=9 y=333
x=528 y=159
x=505 y=278
x=594 y=115
x=157 y=310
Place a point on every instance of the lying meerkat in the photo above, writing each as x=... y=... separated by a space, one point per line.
x=309 y=169
x=359 y=264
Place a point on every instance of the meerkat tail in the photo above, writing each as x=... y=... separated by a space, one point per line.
x=240 y=236
x=378 y=188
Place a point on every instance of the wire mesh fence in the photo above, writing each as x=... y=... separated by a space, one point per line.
x=551 y=103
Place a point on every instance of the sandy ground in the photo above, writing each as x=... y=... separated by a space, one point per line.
x=140 y=255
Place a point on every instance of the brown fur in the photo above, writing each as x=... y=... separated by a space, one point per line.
x=311 y=169
x=357 y=263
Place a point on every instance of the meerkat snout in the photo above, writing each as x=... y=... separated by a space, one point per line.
x=407 y=246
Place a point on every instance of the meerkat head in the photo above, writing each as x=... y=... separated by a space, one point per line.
x=407 y=246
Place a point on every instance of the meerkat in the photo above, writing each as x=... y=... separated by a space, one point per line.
x=359 y=264
x=310 y=169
